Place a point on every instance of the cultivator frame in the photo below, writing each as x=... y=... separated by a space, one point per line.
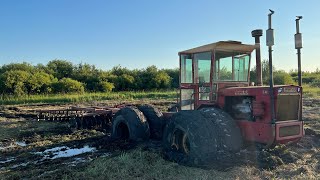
x=80 y=117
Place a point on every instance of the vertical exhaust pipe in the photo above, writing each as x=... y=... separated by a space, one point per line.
x=270 y=43
x=298 y=46
x=257 y=34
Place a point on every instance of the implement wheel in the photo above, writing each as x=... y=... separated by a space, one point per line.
x=130 y=124
x=155 y=120
x=190 y=138
x=229 y=134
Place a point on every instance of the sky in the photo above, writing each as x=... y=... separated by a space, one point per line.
x=140 y=33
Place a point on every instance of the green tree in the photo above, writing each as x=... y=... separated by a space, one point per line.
x=118 y=70
x=14 y=82
x=174 y=75
x=124 y=82
x=61 y=68
x=147 y=78
x=40 y=82
x=17 y=66
x=162 y=80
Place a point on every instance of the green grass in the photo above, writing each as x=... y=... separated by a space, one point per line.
x=139 y=164
x=125 y=95
x=87 y=97
x=309 y=91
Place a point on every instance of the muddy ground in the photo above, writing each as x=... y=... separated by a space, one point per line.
x=32 y=149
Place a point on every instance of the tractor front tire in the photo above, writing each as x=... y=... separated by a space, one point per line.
x=230 y=139
x=190 y=138
x=130 y=124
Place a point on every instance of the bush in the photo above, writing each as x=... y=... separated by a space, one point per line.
x=315 y=83
x=162 y=80
x=61 y=68
x=68 y=85
x=282 y=78
x=106 y=86
x=14 y=82
x=40 y=82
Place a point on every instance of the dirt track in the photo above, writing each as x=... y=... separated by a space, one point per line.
x=25 y=144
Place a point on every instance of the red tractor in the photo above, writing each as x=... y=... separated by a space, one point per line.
x=214 y=80
x=218 y=109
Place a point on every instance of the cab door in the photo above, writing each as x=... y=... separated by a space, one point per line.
x=187 y=87
x=202 y=77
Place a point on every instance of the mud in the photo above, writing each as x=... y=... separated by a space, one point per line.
x=50 y=146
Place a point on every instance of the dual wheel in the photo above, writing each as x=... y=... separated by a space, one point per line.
x=192 y=137
x=200 y=137
x=138 y=123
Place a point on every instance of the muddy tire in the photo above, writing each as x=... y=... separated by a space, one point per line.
x=229 y=134
x=190 y=138
x=130 y=124
x=155 y=120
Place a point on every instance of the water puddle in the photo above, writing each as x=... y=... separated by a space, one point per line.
x=21 y=143
x=64 y=151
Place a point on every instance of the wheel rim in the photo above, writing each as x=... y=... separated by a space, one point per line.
x=185 y=143
x=180 y=141
x=123 y=131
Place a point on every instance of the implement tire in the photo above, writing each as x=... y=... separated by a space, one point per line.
x=229 y=134
x=190 y=138
x=130 y=124
x=155 y=120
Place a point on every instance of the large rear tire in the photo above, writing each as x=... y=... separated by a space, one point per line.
x=230 y=139
x=130 y=124
x=155 y=120
x=190 y=138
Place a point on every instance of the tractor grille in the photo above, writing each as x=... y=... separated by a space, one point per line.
x=289 y=131
x=288 y=107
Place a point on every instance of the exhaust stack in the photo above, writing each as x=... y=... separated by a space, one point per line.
x=257 y=34
x=270 y=43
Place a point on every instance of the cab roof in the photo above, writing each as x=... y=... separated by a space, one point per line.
x=221 y=45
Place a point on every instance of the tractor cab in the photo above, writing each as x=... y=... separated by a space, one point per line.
x=206 y=69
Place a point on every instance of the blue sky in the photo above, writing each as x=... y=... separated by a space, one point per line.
x=140 y=33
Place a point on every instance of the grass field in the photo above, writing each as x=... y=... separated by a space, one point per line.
x=125 y=95
x=311 y=91
x=87 y=97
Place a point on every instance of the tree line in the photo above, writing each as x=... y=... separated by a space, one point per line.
x=61 y=76
x=282 y=77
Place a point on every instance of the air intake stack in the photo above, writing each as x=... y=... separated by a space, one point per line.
x=257 y=34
